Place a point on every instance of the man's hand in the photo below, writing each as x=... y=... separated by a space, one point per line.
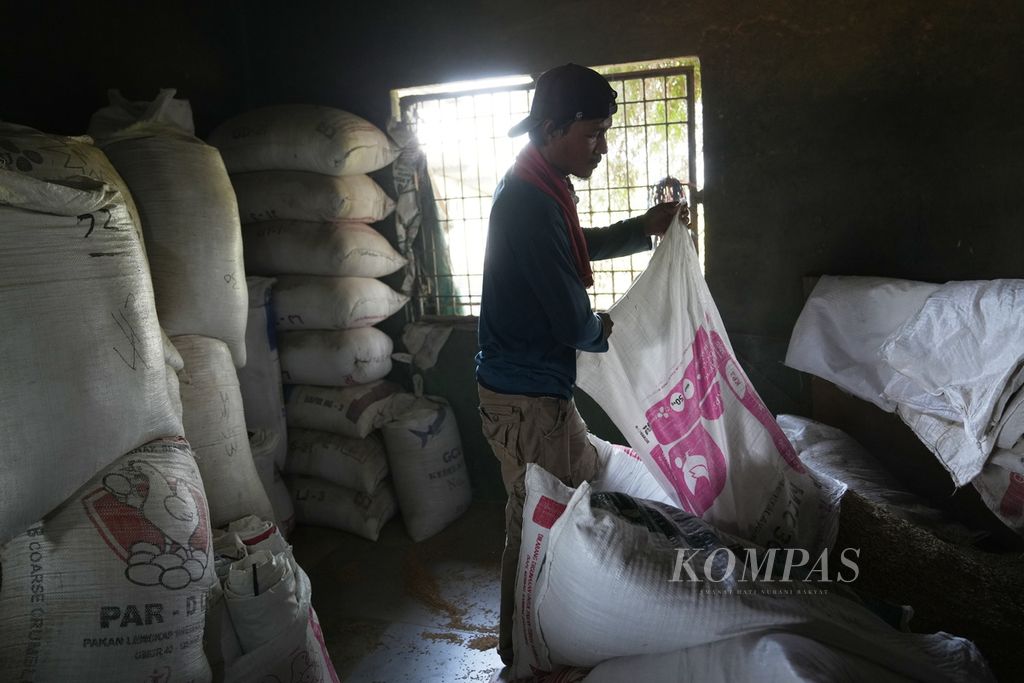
x=658 y=217
x=606 y=325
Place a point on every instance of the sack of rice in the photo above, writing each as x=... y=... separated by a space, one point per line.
x=264 y=445
x=315 y=302
x=215 y=426
x=335 y=358
x=122 y=112
x=83 y=369
x=270 y=195
x=592 y=562
x=113 y=584
x=339 y=248
x=260 y=379
x=350 y=411
x=359 y=464
x=427 y=465
x=297 y=652
x=302 y=137
x=322 y=503
x=193 y=235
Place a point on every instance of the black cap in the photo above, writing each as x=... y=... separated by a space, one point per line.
x=566 y=93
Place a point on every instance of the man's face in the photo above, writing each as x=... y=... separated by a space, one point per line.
x=579 y=149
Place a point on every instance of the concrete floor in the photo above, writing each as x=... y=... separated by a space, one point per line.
x=394 y=611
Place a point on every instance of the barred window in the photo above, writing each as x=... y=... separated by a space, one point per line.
x=654 y=153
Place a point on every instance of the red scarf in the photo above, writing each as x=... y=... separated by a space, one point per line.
x=535 y=169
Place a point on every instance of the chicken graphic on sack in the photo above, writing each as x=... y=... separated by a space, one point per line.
x=156 y=523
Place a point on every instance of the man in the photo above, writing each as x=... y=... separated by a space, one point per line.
x=535 y=313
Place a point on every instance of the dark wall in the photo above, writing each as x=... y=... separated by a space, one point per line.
x=58 y=59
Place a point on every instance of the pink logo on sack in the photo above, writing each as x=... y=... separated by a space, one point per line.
x=158 y=526
x=744 y=391
x=1012 y=504
x=626 y=452
x=696 y=468
x=547 y=512
x=696 y=395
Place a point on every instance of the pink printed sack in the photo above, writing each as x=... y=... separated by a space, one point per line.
x=671 y=383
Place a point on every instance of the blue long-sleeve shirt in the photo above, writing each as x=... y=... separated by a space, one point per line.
x=534 y=310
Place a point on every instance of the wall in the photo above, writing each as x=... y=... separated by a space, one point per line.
x=58 y=59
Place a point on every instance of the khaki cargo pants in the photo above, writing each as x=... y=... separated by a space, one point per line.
x=524 y=429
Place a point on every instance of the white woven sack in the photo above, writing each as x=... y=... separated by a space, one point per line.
x=1002 y=490
x=173 y=363
x=294 y=195
x=112 y=585
x=349 y=411
x=671 y=383
x=83 y=369
x=64 y=161
x=261 y=596
x=834 y=453
x=359 y=464
x=610 y=559
x=219 y=640
x=253 y=533
x=193 y=235
x=264 y=445
x=307 y=248
x=624 y=471
x=315 y=302
x=302 y=137
x=260 y=379
x=761 y=657
x=546 y=498
x=215 y=426
x=335 y=358
x=322 y=503
x=427 y=464
x=842 y=326
x=122 y=113
x=297 y=653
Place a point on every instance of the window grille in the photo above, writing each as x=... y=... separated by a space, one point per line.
x=654 y=150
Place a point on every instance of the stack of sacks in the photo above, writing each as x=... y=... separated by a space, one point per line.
x=336 y=424
x=300 y=176
x=427 y=466
x=611 y=581
x=260 y=622
x=100 y=496
x=948 y=359
x=193 y=240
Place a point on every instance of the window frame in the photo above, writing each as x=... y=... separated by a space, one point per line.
x=403 y=100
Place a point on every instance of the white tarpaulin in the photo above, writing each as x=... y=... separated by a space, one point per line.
x=671 y=383
x=949 y=359
x=966 y=348
x=843 y=325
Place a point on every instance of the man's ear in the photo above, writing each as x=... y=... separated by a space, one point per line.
x=550 y=130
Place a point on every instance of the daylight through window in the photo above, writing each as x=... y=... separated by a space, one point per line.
x=654 y=149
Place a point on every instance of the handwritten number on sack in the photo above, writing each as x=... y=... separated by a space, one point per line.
x=92 y=221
